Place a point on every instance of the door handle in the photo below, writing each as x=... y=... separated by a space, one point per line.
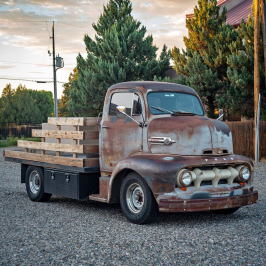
x=104 y=126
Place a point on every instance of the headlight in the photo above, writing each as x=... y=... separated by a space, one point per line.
x=244 y=173
x=184 y=178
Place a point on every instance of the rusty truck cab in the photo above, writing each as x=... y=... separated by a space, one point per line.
x=160 y=132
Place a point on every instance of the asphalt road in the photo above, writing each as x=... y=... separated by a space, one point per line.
x=70 y=232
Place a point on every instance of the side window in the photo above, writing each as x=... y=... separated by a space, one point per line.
x=124 y=99
x=130 y=100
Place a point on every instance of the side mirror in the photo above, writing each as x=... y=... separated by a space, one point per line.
x=221 y=115
x=122 y=110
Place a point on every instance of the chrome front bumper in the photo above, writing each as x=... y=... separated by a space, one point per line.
x=205 y=201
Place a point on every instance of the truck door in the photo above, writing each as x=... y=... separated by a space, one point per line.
x=119 y=135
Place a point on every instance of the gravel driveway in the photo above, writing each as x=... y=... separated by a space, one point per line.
x=65 y=231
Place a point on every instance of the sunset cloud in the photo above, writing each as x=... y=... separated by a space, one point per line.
x=25 y=30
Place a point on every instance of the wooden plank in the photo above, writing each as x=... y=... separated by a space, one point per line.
x=91 y=134
x=91 y=162
x=75 y=141
x=90 y=128
x=69 y=161
x=64 y=121
x=59 y=134
x=73 y=121
x=90 y=121
x=58 y=147
x=58 y=140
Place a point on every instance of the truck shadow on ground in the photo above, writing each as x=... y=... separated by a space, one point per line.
x=114 y=211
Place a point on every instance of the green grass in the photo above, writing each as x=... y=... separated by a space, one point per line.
x=12 y=141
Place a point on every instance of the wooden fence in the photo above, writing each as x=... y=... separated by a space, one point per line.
x=243 y=138
x=17 y=130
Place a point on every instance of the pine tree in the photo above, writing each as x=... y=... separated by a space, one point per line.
x=7 y=91
x=120 y=51
x=239 y=96
x=203 y=65
x=22 y=105
x=66 y=99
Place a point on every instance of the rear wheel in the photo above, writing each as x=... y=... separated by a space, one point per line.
x=226 y=211
x=136 y=200
x=35 y=184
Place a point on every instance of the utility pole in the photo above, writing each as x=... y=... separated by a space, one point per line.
x=54 y=71
x=256 y=5
x=263 y=21
x=256 y=55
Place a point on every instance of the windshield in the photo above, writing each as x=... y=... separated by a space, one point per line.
x=174 y=103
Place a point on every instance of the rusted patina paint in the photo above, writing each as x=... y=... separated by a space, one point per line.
x=104 y=187
x=119 y=135
x=145 y=86
x=128 y=147
x=174 y=204
x=192 y=135
x=160 y=170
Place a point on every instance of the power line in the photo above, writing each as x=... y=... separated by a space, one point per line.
x=31 y=80
x=47 y=21
x=25 y=63
x=41 y=21
x=64 y=23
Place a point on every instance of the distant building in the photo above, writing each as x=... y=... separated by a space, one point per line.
x=237 y=10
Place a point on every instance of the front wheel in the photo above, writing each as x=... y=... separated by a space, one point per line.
x=35 y=184
x=136 y=200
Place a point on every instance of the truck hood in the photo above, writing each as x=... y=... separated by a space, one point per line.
x=189 y=135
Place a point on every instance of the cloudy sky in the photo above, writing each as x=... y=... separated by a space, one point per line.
x=25 y=30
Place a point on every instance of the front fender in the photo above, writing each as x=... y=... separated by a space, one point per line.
x=160 y=170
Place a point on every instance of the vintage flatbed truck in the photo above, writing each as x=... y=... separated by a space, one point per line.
x=152 y=150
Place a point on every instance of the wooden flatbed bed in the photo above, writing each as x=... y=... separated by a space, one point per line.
x=12 y=156
x=69 y=144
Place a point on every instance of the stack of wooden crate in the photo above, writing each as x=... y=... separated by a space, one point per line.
x=71 y=141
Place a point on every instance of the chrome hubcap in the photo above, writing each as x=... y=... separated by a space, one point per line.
x=135 y=198
x=35 y=182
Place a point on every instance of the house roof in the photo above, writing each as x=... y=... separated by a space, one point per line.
x=220 y=2
x=236 y=14
x=239 y=13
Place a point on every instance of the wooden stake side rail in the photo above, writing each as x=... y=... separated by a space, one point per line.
x=77 y=148
x=60 y=134
x=72 y=121
x=60 y=160
x=77 y=129
x=79 y=135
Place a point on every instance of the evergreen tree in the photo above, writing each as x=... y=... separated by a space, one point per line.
x=204 y=63
x=66 y=98
x=6 y=109
x=121 y=51
x=25 y=106
x=7 y=91
x=239 y=96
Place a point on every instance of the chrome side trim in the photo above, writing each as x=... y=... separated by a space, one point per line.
x=161 y=140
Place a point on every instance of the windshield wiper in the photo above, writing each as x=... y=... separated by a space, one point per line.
x=162 y=109
x=182 y=113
